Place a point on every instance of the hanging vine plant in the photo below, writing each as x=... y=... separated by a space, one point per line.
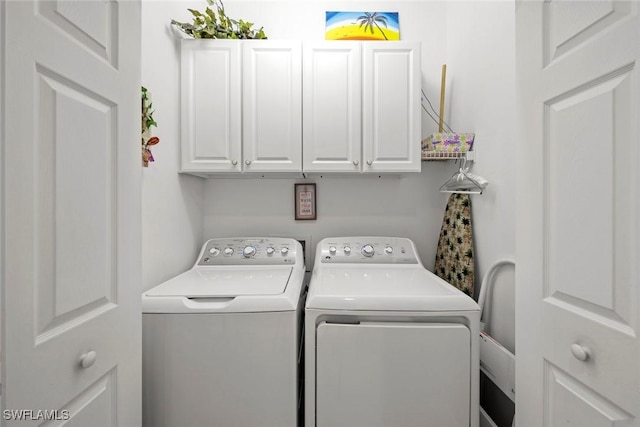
x=147 y=122
x=212 y=25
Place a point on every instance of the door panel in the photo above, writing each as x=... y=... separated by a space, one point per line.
x=93 y=24
x=272 y=106
x=211 y=105
x=391 y=107
x=569 y=25
x=578 y=241
x=72 y=211
x=94 y=406
x=382 y=374
x=65 y=220
x=570 y=403
x=332 y=119
x=588 y=178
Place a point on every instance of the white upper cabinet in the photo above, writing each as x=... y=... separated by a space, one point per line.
x=362 y=107
x=332 y=101
x=391 y=126
x=272 y=106
x=211 y=107
x=241 y=106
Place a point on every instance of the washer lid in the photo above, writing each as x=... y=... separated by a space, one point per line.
x=206 y=282
x=384 y=288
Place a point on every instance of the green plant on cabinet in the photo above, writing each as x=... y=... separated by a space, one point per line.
x=209 y=25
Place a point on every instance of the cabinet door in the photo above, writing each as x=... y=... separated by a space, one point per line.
x=211 y=106
x=332 y=124
x=391 y=107
x=272 y=106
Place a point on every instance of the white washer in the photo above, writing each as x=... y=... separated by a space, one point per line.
x=222 y=341
x=387 y=342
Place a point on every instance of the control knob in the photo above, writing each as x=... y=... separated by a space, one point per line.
x=367 y=250
x=249 y=251
x=388 y=250
x=347 y=250
x=228 y=251
x=270 y=251
x=214 y=251
x=332 y=250
x=284 y=251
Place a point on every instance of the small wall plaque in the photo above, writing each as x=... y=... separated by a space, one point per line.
x=305 y=201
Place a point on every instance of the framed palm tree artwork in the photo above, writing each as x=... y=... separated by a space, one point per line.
x=362 y=26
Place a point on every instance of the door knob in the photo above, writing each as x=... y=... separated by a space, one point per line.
x=356 y=163
x=247 y=162
x=88 y=359
x=369 y=162
x=579 y=352
x=234 y=162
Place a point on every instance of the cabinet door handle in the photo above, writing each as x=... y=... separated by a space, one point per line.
x=234 y=162
x=356 y=163
x=369 y=162
x=247 y=162
x=88 y=359
x=579 y=352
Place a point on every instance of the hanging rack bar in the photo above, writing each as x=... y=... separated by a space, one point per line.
x=464 y=182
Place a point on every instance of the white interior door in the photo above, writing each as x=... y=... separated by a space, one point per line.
x=578 y=241
x=71 y=332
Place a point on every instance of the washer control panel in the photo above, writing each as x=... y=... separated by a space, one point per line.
x=249 y=251
x=370 y=250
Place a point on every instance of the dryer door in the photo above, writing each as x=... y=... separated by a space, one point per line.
x=384 y=374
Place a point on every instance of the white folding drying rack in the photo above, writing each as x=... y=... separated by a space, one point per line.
x=496 y=362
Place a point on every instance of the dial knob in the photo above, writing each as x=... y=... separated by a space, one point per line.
x=270 y=251
x=347 y=250
x=228 y=251
x=332 y=250
x=367 y=250
x=214 y=251
x=248 y=251
x=284 y=251
x=388 y=250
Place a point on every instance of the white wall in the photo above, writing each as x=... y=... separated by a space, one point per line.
x=481 y=76
x=481 y=71
x=474 y=38
x=172 y=212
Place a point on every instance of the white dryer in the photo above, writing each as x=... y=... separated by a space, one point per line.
x=222 y=341
x=387 y=342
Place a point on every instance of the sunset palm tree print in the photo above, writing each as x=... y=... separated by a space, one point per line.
x=362 y=26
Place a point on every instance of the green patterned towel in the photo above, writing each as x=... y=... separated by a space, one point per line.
x=454 y=256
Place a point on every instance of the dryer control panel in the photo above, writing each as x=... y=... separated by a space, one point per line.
x=250 y=251
x=369 y=250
